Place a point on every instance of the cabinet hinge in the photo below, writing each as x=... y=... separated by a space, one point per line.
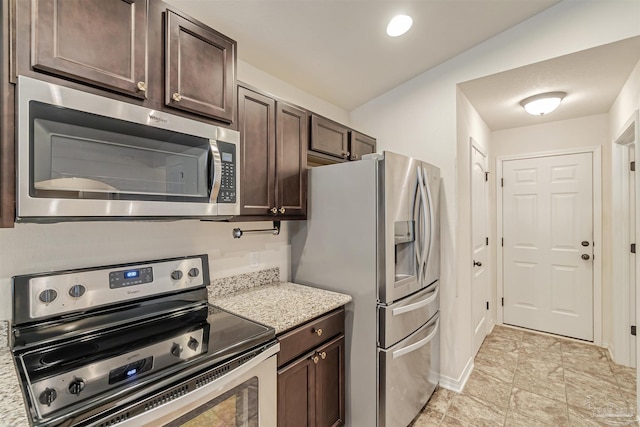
x=487 y=305
x=501 y=182
x=633 y=248
x=503 y=301
x=633 y=330
x=487 y=241
x=486 y=176
x=632 y=166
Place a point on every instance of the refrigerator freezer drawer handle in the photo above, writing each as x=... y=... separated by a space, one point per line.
x=419 y=344
x=416 y=305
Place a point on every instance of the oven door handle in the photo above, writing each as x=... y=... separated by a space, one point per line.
x=215 y=171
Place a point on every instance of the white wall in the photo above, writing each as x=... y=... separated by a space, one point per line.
x=34 y=248
x=418 y=118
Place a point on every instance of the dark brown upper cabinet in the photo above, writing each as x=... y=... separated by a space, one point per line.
x=273 y=140
x=329 y=138
x=360 y=144
x=200 y=69
x=100 y=42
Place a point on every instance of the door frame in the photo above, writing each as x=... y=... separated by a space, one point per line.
x=597 y=231
x=621 y=340
x=489 y=318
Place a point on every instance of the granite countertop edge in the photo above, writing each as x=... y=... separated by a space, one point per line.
x=281 y=305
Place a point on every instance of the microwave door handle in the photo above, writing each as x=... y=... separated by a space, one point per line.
x=215 y=171
x=419 y=344
x=423 y=234
x=417 y=227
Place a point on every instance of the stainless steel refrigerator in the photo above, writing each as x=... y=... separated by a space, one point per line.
x=373 y=231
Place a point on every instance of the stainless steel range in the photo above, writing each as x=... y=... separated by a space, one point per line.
x=137 y=344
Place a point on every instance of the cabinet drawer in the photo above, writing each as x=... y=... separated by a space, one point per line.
x=308 y=336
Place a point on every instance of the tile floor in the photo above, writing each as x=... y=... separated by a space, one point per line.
x=528 y=379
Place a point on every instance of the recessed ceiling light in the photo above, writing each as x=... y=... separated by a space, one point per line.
x=544 y=103
x=399 y=25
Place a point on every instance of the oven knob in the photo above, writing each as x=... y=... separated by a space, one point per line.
x=194 y=272
x=176 y=349
x=193 y=343
x=47 y=296
x=76 y=386
x=76 y=291
x=176 y=275
x=48 y=396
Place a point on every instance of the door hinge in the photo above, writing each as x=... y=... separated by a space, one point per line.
x=502 y=301
x=633 y=330
x=487 y=305
x=633 y=248
x=632 y=166
x=486 y=176
x=502 y=241
x=487 y=241
x=501 y=182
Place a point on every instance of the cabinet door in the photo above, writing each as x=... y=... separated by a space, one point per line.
x=256 y=123
x=328 y=137
x=330 y=390
x=199 y=70
x=360 y=145
x=100 y=42
x=293 y=134
x=296 y=392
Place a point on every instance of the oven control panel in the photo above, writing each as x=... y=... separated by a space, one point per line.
x=54 y=393
x=47 y=295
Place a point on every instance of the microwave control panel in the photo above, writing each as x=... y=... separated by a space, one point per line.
x=228 y=181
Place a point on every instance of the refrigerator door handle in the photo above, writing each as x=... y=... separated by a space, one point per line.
x=418 y=247
x=421 y=343
x=416 y=305
x=431 y=224
x=423 y=219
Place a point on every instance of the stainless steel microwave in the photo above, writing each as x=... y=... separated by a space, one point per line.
x=84 y=156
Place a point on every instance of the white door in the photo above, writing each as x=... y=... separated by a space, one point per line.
x=479 y=233
x=548 y=244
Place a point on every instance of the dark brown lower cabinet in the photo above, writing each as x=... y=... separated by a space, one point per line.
x=311 y=389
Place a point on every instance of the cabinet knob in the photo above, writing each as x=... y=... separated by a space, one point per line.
x=317 y=331
x=274 y=210
x=177 y=97
x=142 y=86
x=323 y=355
x=282 y=210
x=315 y=359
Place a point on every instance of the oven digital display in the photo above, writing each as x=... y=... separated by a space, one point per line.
x=124 y=278
x=131 y=274
x=130 y=370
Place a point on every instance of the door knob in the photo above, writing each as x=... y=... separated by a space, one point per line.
x=585 y=243
x=477 y=263
x=585 y=257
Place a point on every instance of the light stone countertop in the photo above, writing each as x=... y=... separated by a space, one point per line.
x=12 y=406
x=282 y=306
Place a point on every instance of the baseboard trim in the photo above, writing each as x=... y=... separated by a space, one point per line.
x=457 y=385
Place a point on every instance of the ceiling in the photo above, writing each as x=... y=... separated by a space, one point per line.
x=338 y=50
x=591 y=78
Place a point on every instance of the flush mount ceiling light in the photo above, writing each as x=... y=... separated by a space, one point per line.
x=544 y=103
x=399 y=25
